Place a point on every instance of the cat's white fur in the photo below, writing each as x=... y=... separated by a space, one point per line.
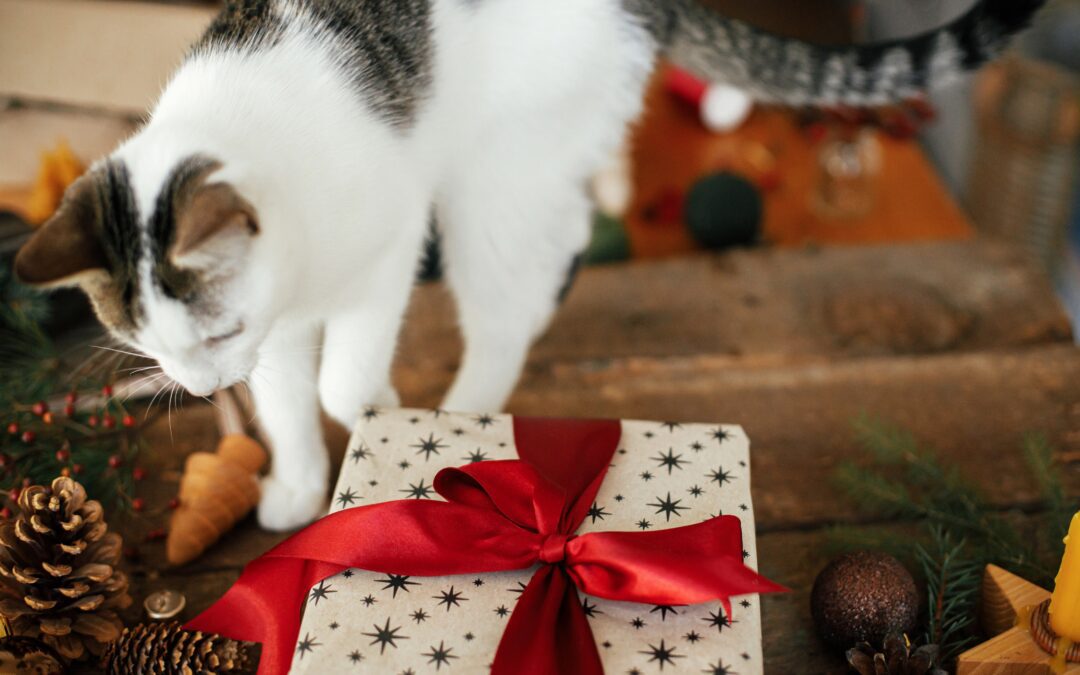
x=528 y=99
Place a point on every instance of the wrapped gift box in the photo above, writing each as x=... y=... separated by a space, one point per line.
x=663 y=475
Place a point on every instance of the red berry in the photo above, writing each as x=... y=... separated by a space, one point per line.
x=128 y=421
x=13 y=428
x=138 y=473
x=47 y=418
x=92 y=420
x=69 y=409
x=63 y=455
x=116 y=461
x=174 y=503
x=138 y=503
x=40 y=408
x=106 y=390
x=71 y=398
x=29 y=437
x=108 y=421
x=5 y=513
x=76 y=469
x=15 y=492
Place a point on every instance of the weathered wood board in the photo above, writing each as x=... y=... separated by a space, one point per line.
x=792 y=345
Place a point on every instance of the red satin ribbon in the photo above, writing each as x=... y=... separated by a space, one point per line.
x=499 y=515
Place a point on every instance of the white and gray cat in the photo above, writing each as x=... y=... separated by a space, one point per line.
x=266 y=223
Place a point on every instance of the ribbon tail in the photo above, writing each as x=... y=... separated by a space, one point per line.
x=264 y=606
x=548 y=633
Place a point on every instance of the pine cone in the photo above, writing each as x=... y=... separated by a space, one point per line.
x=166 y=648
x=58 y=569
x=27 y=656
x=895 y=659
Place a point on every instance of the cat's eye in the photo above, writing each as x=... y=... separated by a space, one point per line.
x=218 y=339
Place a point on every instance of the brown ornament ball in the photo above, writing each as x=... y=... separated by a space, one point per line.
x=863 y=597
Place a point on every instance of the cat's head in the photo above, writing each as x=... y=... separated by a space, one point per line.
x=168 y=273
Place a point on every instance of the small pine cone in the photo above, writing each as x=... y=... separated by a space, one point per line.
x=58 y=571
x=28 y=656
x=166 y=648
x=896 y=658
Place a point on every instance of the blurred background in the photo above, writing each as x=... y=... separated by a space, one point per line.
x=993 y=155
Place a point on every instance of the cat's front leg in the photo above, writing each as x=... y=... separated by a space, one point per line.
x=286 y=399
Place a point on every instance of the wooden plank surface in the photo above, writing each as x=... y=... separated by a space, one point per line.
x=675 y=351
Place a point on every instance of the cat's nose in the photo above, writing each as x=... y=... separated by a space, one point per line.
x=202 y=390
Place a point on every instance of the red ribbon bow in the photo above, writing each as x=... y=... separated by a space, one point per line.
x=499 y=515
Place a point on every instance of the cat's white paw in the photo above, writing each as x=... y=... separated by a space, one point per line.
x=287 y=505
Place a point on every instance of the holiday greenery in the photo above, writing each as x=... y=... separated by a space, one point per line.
x=55 y=418
x=960 y=532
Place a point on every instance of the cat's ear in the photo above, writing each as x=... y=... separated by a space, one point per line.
x=67 y=249
x=212 y=222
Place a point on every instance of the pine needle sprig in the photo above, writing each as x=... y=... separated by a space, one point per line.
x=953 y=581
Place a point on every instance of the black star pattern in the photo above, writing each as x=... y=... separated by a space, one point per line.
x=458 y=431
x=373 y=482
x=484 y=421
x=692 y=637
x=718 y=668
x=519 y=590
x=696 y=446
x=347 y=574
x=414 y=420
x=745 y=604
x=334 y=625
x=606 y=644
x=355 y=656
x=662 y=654
x=746 y=657
x=622 y=451
x=368 y=600
x=597 y=512
x=419 y=616
x=404 y=464
x=745 y=554
x=347 y=497
x=428 y=446
x=744 y=507
x=407 y=671
x=696 y=491
x=320 y=592
x=649 y=434
x=637 y=623
x=469 y=637
x=619 y=498
x=308 y=644
x=360 y=453
x=671 y=426
x=720 y=476
x=664 y=609
x=644 y=524
x=385 y=635
x=371 y=412
x=502 y=611
x=478 y=582
x=450 y=598
x=420 y=491
x=633 y=671
x=440 y=655
x=668 y=507
x=719 y=435
x=589 y=609
x=475 y=456
x=398 y=582
x=718 y=620
x=670 y=460
x=646 y=476
x=742 y=463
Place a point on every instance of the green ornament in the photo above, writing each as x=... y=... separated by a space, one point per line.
x=609 y=241
x=724 y=209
